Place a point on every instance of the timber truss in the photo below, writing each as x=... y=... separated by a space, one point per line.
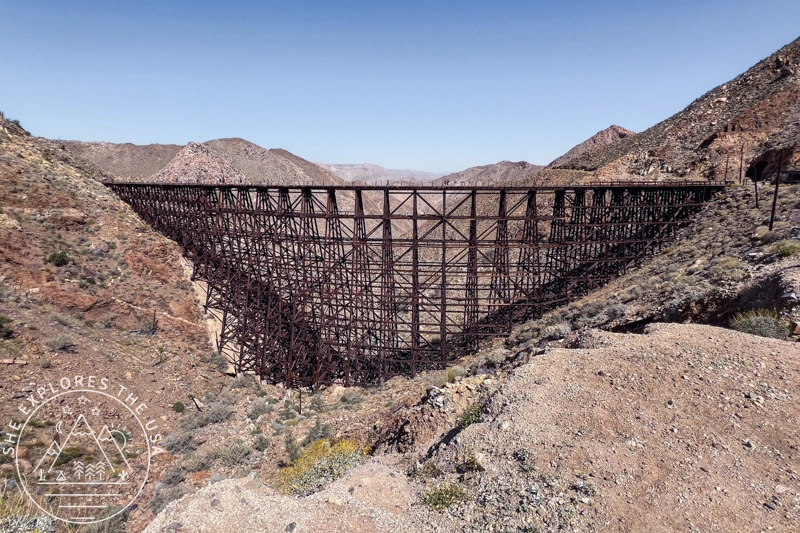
x=317 y=284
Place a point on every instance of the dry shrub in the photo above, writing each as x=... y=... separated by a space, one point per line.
x=761 y=322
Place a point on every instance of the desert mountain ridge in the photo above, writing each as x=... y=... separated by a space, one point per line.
x=748 y=117
x=237 y=161
x=231 y=161
x=376 y=174
x=601 y=139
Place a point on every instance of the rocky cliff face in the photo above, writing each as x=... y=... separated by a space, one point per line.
x=757 y=111
x=597 y=141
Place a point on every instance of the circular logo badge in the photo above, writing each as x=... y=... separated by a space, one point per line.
x=83 y=456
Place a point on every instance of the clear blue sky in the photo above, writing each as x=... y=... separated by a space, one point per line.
x=425 y=85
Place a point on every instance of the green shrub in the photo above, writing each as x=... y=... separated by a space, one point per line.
x=5 y=331
x=112 y=519
x=59 y=259
x=258 y=408
x=235 y=453
x=471 y=415
x=785 y=248
x=322 y=463
x=454 y=372
x=557 y=331
x=527 y=459
x=293 y=450
x=62 y=343
x=768 y=237
x=427 y=470
x=727 y=269
x=443 y=496
x=261 y=442
x=761 y=322
x=178 y=407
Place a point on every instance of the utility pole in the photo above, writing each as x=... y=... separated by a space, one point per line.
x=755 y=183
x=775 y=196
x=741 y=169
x=727 y=160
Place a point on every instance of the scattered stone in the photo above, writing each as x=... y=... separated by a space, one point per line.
x=781 y=489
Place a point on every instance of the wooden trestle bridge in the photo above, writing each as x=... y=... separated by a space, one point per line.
x=322 y=284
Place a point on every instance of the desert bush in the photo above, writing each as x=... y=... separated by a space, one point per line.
x=216 y=360
x=727 y=269
x=114 y=524
x=351 y=397
x=471 y=415
x=585 y=488
x=293 y=450
x=62 y=343
x=557 y=331
x=761 y=322
x=443 y=496
x=235 y=453
x=317 y=432
x=174 y=475
x=178 y=407
x=258 y=408
x=769 y=237
x=316 y=403
x=261 y=442
x=180 y=443
x=165 y=495
x=527 y=459
x=615 y=310
x=471 y=462
x=785 y=248
x=454 y=372
x=322 y=463
x=59 y=259
x=201 y=461
x=428 y=469
x=215 y=413
x=5 y=331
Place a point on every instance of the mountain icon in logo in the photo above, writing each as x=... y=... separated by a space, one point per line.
x=82 y=440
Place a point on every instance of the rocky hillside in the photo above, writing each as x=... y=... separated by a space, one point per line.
x=87 y=289
x=133 y=161
x=370 y=173
x=231 y=161
x=757 y=111
x=597 y=141
x=504 y=172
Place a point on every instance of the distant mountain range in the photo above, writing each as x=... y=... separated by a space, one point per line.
x=231 y=161
x=374 y=174
x=237 y=161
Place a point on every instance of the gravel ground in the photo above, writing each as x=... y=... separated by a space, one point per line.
x=685 y=427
